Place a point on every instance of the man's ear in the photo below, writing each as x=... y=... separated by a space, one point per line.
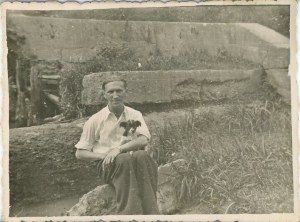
x=104 y=95
x=125 y=93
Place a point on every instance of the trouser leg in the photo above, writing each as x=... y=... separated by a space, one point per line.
x=121 y=175
x=146 y=174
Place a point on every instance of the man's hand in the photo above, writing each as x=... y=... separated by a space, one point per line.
x=110 y=157
x=124 y=139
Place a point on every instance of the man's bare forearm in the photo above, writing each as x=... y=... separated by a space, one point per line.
x=88 y=155
x=135 y=144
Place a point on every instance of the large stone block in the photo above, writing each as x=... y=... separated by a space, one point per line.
x=280 y=80
x=173 y=85
x=228 y=90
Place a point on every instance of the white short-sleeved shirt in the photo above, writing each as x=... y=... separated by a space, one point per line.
x=102 y=131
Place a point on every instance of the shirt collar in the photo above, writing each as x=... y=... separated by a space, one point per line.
x=107 y=112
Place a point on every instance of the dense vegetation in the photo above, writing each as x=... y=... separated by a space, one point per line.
x=240 y=162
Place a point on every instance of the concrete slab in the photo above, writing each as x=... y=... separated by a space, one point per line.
x=173 y=85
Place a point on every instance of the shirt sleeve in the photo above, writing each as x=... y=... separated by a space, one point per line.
x=88 y=137
x=143 y=129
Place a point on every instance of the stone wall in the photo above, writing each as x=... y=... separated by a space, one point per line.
x=78 y=40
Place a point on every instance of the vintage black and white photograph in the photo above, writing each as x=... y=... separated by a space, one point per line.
x=150 y=111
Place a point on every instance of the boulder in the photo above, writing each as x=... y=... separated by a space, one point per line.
x=101 y=200
x=167 y=198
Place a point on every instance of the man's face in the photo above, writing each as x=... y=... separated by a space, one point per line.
x=115 y=93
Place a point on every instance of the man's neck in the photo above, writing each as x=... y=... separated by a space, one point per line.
x=117 y=110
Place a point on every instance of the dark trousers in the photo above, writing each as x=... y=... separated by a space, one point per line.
x=134 y=178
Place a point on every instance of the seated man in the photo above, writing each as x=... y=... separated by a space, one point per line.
x=125 y=166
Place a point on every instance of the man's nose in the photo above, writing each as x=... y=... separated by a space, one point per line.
x=115 y=95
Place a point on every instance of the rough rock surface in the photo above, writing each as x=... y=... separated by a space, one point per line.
x=167 y=197
x=101 y=200
x=175 y=85
x=42 y=163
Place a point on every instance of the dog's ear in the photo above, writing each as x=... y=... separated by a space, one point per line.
x=137 y=123
x=123 y=124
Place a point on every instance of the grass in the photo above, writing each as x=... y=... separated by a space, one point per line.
x=240 y=162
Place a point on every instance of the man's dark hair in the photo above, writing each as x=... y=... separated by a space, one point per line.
x=114 y=80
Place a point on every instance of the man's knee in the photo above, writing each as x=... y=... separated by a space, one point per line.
x=140 y=154
x=123 y=158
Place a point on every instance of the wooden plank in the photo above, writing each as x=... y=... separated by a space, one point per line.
x=53 y=98
x=52 y=77
x=50 y=81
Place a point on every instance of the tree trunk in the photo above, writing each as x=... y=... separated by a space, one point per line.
x=36 y=95
x=21 y=107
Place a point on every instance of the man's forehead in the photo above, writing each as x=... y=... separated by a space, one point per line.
x=115 y=83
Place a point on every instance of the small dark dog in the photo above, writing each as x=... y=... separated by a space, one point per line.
x=130 y=126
